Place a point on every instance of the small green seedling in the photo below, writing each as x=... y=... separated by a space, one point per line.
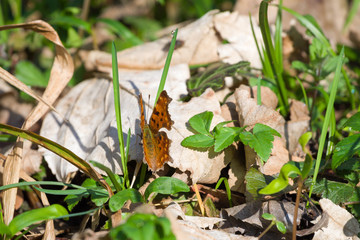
x=279 y=225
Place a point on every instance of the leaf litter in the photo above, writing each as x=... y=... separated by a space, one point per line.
x=90 y=128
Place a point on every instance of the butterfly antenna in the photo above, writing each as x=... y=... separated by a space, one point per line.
x=148 y=103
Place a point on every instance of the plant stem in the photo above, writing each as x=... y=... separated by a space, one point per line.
x=267 y=229
x=298 y=194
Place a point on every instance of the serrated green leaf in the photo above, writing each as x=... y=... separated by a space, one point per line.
x=281 y=182
x=301 y=66
x=350 y=170
x=224 y=137
x=255 y=180
x=117 y=201
x=36 y=215
x=345 y=149
x=353 y=122
x=198 y=141
x=201 y=122
x=166 y=185
x=335 y=191
x=261 y=140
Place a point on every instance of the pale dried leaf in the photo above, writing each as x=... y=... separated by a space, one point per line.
x=251 y=212
x=202 y=43
x=341 y=224
x=187 y=227
x=89 y=108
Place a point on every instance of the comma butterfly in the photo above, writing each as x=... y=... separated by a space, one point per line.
x=156 y=143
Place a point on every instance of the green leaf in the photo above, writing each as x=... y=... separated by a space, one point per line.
x=350 y=170
x=300 y=66
x=353 y=122
x=113 y=177
x=335 y=191
x=71 y=21
x=224 y=137
x=304 y=139
x=31 y=75
x=345 y=149
x=198 y=141
x=122 y=31
x=117 y=201
x=261 y=140
x=255 y=180
x=73 y=40
x=201 y=122
x=281 y=227
x=4 y=229
x=73 y=200
x=36 y=215
x=142 y=226
x=278 y=184
x=268 y=216
x=166 y=185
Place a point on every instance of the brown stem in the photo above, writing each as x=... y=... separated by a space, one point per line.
x=298 y=194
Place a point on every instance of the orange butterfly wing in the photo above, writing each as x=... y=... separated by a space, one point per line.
x=156 y=143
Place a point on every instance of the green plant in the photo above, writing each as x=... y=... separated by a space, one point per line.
x=279 y=225
x=221 y=137
x=143 y=226
x=227 y=187
x=213 y=77
x=31 y=217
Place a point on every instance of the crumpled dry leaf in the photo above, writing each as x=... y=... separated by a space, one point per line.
x=190 y=227
x=89 y=109
x=341 y=224
x=203 y=43
x=92 y=134
x=251 y=212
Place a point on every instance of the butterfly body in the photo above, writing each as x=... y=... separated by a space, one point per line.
x=156 y=143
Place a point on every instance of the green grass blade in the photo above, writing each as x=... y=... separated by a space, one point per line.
x=278 y=37
x=352 y=13
x=274 y=61
x=329 y=110
x=256 y=42
x=319 y=35
x=167 y=65
x=57 y=149
x=118 y=113
x=227 y=187
x=110 y=174
x=50 y=183
x=303 y=92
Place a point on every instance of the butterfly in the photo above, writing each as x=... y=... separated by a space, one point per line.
x=156 y=143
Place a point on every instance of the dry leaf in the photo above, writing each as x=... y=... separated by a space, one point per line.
x=61 y=73
x=341 y=224
x=190 y=227
x=89 y=108
x=202 y=43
